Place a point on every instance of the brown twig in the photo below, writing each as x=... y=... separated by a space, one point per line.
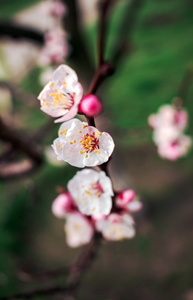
x=123 y=42
x=22 y=144
x=102 y=29
x=74 y=276
x=183 y=89
x=19 y=94
x=104 y=68
x=79 y=55
x=17 y=169
x=10 y=169
x=10 y=135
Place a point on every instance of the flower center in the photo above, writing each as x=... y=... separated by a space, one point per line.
x=62 y=98
x=97 y=189
x=89 y=142
x=94 y=189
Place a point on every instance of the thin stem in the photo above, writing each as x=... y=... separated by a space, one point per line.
x=185 y=83
x=79 y=54
x=102 y=30
x=122 y=44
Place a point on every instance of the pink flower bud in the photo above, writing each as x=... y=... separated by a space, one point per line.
x=90 y=106
x=62 y=205
x=57 y=9
x=125 y=197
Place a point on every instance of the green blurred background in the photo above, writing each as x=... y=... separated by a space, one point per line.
x=158 y=262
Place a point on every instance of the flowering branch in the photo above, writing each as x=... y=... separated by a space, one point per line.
x=83 y=208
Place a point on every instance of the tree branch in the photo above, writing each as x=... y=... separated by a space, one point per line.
x=23 y=144
x=77 y=269
x=79 y=55
x=17 y=93
x=16 y=31
x=122 y=44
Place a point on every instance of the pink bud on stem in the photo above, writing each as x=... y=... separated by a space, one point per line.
x=90 y=106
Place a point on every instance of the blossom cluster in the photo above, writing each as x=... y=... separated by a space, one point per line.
x=90 y=204
x=87 y=206
x=169 y=125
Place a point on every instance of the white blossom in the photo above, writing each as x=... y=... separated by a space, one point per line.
x=92 y=192
x=81 y=145
x=61 y=96
x=116 y=227
x=79 y=230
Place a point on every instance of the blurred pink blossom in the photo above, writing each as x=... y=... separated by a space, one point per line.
x=57 y=8
x=127 y=200
x=169 y=125
x=56 y=48
x=54 y=8
x=176 y=149
x=62 y=205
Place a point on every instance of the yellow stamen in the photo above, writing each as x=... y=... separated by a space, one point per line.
x=58 y=98
x=89 y=193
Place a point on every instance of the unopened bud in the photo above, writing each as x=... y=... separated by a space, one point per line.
x=90 y=106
